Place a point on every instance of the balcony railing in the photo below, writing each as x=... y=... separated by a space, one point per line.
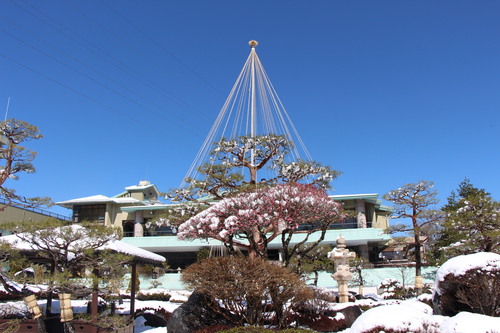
x=350 y=223
x=36 y=210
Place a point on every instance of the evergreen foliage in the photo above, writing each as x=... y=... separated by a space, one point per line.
x=222 y=175
x=312 y=262
x=413 y=202
x=16 y=159
x=72 y=253
x=472 y=223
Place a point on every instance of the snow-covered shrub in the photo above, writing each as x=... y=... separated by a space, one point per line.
x=387 y=288
x=407 y=317
x=392 y=289
x=468 y=283
x=323 y=323
x=156 y=296
x=316 y=314
x=14 y=310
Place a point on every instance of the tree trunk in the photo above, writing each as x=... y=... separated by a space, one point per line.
x=253 y=174
x=68 y=327
x=40 y=324
x=258 y=244
x=316 y=275
x=254 y=311
x=418 y=263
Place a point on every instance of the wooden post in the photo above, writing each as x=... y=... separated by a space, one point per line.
x=93 y=310
x=95 y=301
x=48 y=308
x=133 y=289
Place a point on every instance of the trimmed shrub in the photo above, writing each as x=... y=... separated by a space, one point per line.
x=322 y=323
x=158 y=311
x=159 y=296
x=247 y=286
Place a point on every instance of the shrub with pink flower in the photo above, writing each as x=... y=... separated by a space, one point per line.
x=251 y=220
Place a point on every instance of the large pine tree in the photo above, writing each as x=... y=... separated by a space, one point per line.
x=472 y=223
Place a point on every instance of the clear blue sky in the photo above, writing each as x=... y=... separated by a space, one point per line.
x=388 y=92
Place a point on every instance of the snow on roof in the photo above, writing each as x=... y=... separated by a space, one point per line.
x=132 y=250
x=459 y=265
x=115 y=245
x=354 y=196
x=97 y=199
x=138 y=187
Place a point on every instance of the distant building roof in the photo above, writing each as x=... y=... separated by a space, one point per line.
x=97 y=199
x=370 y=197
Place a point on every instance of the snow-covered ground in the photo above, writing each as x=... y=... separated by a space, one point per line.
x=405 y=316
x=408 y=316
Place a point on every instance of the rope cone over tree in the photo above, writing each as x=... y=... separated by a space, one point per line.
x=246 y=190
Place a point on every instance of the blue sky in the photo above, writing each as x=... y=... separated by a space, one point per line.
x=388 y=92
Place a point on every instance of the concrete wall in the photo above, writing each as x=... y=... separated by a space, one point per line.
x=15 y=214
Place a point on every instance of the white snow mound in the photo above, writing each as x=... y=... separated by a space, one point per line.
x=466 y=322
x=461 y=264
x=409 y=316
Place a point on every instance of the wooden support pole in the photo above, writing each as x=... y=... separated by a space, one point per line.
x=133 y=289
x=50 y=295
x=93 y=310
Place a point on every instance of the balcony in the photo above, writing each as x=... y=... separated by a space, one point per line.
x=350 y=223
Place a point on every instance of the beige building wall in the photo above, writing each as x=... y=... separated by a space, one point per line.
x=122 y=216
x=15 y=214
x=381 y=222
x=114 y=216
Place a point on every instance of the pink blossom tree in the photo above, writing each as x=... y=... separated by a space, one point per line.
x=251 y=220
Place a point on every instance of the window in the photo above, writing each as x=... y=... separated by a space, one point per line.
x=128 y=228
x=89 y=213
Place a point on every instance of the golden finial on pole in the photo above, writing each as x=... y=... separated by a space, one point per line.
x=253 y=43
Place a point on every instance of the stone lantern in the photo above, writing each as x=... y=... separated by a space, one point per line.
x=341 y=256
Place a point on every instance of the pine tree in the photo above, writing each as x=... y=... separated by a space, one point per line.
x=312 y=261
x=17 y=159
x=472 y=223
x=413 y=202
x=222 y=179
x=222 y=176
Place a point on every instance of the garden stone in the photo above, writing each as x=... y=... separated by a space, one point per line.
x=194 y=315
x=154 y=320
x=351 y=313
